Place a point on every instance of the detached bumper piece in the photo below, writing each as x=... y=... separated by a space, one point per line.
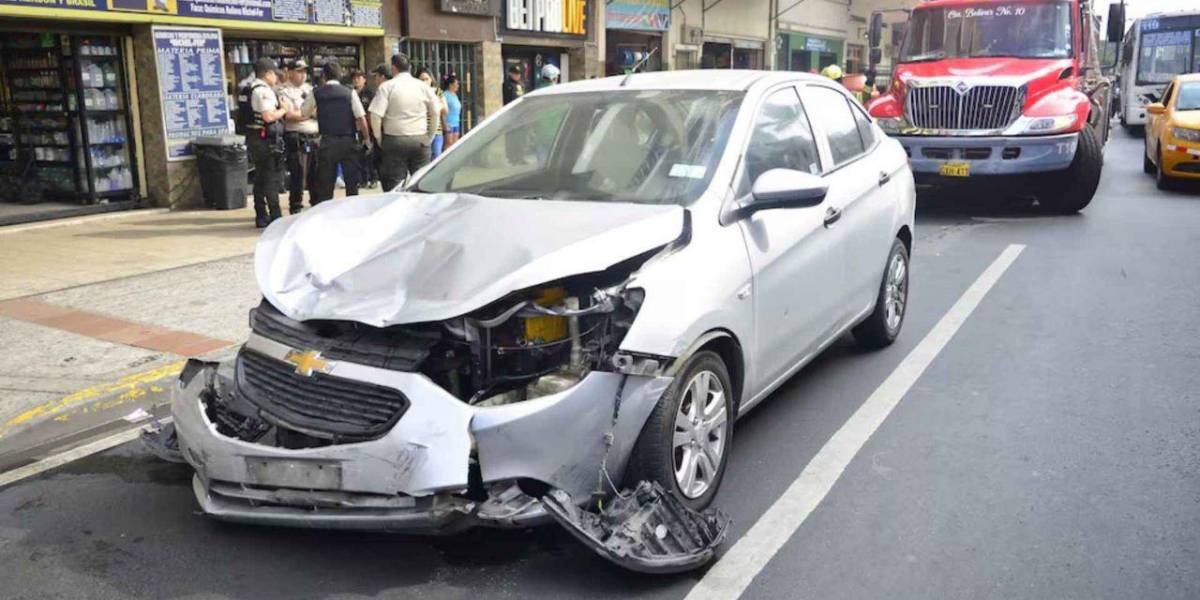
x=648 y=530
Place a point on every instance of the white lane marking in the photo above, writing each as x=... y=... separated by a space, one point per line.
x=732 y=574
x=74 y=454
x=120 y=214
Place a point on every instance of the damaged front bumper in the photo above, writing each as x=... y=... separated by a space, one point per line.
x=443 y=466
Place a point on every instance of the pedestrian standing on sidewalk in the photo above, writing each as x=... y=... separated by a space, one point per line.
x=435 y=149
x=263 y=117
x=342 y=123
x=299 y=137
x=367 y=158
x=453 y=110
x=404 y=118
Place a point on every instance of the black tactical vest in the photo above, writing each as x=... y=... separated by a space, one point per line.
x=334 y=114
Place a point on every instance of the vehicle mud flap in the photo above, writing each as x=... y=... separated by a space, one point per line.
x=647 y=530
x=160 y=440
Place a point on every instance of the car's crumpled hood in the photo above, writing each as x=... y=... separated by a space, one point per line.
x=396 y=258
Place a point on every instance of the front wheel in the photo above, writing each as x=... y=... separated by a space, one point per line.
x=882 y=326
x=1161 y=180
x=684 y=445
x=1072 y=189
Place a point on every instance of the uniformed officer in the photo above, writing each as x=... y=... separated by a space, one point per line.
x=299 y=137
x=343 y=126
x=264 y=139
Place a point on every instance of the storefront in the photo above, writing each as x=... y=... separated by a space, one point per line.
x=536 y=33
x=633 y=35
x=808 y=53
x=727 y=53
x=99 y=103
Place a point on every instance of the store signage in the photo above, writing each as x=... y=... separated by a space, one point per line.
x=191 y=83
x=341 y=13
x=815 y=44
x=485 y=8
x=638 y=15
x=560 y=17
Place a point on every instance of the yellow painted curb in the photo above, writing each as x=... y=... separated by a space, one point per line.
x=110 y=394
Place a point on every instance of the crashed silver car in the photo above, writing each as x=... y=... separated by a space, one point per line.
x=562 y=317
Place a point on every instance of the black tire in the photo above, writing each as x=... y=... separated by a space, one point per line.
x=654 y=454
x=1072 y=189
x=875 y=332
x=1147 y=164
x=1162 y=181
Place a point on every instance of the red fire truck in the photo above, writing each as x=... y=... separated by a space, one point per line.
x=1000 y=95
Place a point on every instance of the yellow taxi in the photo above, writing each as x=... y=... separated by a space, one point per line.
x=1173 y=132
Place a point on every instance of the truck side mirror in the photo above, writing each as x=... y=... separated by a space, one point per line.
x=875 y=32
x=1116 y=21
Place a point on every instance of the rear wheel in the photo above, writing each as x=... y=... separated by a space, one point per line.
x=882 y=326
x=684 y=445
x=1071 y=189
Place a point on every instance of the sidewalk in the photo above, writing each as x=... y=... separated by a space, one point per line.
x=97 y=314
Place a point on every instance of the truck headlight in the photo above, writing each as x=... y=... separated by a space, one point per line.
x=1049 y=124
x=1187 y=135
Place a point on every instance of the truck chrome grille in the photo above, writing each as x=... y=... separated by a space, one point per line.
x=982 y=107
x=319 y=405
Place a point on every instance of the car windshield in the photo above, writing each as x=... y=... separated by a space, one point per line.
x=1165 y=54
x=652 y=147
x=1189 y=96
x=1021 y=30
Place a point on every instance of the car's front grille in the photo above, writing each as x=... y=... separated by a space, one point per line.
x=319 y=405
x=394 y=348
x=982 y=107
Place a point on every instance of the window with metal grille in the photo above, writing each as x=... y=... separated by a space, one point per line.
x=444 y=58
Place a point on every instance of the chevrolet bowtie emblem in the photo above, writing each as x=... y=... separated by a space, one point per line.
x=307 y=362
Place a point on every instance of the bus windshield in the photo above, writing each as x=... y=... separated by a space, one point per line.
x=1166 y=51
x=1019 y=29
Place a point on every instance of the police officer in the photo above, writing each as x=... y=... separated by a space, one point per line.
x=299 y=136
x=264 y=114
x=513 y=87
x=343 y=126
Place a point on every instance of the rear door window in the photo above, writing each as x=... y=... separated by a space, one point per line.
x=830 y=108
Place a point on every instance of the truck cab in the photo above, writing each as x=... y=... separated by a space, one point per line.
x=1000 y=92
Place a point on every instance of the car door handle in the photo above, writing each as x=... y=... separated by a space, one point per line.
x=884 y=178
x=832 y=215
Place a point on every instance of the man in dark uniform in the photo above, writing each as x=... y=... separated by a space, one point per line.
x=343 y=125
x=513 y=87
x=264 y=138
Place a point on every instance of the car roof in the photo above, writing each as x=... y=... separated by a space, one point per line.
x=706 y=79
x=1188 y=77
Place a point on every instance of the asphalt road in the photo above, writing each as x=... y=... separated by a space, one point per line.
x=1051 y=450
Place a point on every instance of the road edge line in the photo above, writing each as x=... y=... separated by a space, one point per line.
x=736 y=569
x=72 y=455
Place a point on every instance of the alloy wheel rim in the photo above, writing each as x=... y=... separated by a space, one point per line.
x=698 y=444
x=896 y=292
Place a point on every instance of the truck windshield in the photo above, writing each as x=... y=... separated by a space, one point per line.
x=1021 y=30
x=652 y=147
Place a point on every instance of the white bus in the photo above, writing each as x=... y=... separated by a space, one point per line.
x=1156 y=48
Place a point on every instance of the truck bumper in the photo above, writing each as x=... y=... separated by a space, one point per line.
x=991 y=155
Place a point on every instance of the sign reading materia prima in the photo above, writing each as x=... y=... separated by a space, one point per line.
x=557 y=17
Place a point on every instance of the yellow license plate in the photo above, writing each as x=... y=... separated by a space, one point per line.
x=955 y=169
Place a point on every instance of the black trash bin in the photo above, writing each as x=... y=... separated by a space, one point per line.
x=222 y=163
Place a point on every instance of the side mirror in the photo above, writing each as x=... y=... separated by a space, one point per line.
x=1156 y=108
x=875 y=32
x=1116 y=21
x=784 y=188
